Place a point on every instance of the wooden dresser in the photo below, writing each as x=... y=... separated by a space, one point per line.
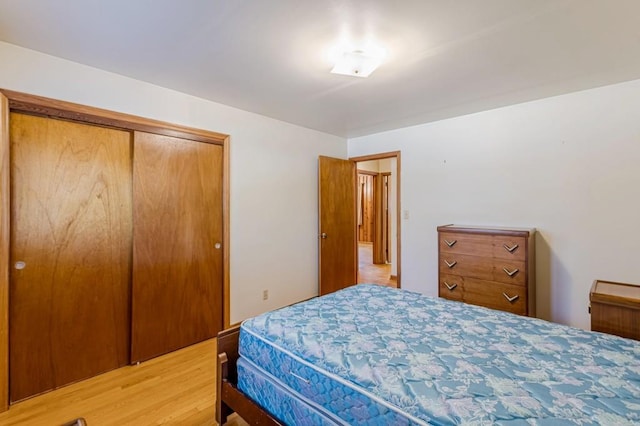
x=491 y=267
x=615 y=308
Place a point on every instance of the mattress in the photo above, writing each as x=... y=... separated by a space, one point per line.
x=288 y=406
x=376 y=355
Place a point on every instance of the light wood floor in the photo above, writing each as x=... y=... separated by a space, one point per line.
x=175 y=389
x=368 y=272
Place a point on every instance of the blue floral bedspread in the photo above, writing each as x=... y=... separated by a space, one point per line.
x=375 y=355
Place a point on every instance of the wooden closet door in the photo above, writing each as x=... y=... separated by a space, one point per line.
x=177 y=244
x=70 y=252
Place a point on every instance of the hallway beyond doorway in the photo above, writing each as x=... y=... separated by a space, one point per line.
x=368 y=272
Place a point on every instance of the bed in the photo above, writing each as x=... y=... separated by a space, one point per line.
x=374 y=355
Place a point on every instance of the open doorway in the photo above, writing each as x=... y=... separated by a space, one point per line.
x=377 y=224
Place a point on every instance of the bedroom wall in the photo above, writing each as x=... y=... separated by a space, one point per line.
x=273 y=170
x=568 y=166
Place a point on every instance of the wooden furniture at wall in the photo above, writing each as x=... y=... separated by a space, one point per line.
x=491 y=267
x=77 y=229
x=615 y=308
x=228 y=398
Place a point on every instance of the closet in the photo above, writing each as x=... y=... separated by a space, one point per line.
x=177 y=241
x=116 y=245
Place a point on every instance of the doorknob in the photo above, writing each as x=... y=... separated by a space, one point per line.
x=217 y=246
x=19 y=265
x=323 y=235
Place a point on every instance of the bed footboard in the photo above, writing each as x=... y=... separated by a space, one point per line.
x=228 y=397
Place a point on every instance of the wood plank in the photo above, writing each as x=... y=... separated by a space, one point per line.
x=38 y=105
x=229 y=398
x=4 y=252
x=175 y=389
x=71 y=228
x=177 y=269
x=254 y=414
x=226 y=226
x=379 y=215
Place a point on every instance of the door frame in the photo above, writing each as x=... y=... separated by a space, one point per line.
x=382 y=156
x=11 y=101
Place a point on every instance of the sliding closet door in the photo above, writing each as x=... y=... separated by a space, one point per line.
x=70 y=252
x=177 y=253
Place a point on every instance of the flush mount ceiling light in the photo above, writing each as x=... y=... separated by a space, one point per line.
x=356 y=63
x=356 y=58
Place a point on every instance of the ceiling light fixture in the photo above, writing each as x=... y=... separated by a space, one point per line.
x=356 y=63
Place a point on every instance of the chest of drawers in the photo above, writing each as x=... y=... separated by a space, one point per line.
x=491 y=267
x=615 y=308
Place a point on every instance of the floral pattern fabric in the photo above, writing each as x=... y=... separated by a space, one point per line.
x=376 y=355
x=283 y=403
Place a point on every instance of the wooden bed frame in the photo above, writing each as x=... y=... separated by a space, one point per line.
x=229 y=398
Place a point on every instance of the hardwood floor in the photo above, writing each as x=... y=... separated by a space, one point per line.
x=368 y=272
x=174 y=389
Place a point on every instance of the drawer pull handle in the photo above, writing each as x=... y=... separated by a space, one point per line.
x=510 y=273
x=512 y=298
x=510 y=249
x=452 y=264
x=450 y=243
x=451 y=287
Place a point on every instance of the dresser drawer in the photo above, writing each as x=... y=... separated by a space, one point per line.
x=498 y=246
x=488 y=266
x=451 y=287
x=495 y=295
x=490 y=269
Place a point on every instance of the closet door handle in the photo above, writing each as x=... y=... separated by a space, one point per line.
x=451 y=287
x=510 y=273
x=323 y=235
x=452 y=264
x=511 y=299
x=450 y=243
x=510 y=249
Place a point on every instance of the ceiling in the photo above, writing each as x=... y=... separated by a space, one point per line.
x=444 y=58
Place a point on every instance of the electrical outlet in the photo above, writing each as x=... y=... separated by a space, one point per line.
x=265 y=294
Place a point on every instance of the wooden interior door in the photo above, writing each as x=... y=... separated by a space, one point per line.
x=337 y=263
x=366 y=212
x=177 y=244
x=70 y=252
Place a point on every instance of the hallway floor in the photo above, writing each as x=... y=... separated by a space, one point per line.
x=369 y=272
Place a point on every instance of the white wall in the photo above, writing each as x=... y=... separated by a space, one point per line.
x=568 y=166
x=369 y=166
x=273 y=170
